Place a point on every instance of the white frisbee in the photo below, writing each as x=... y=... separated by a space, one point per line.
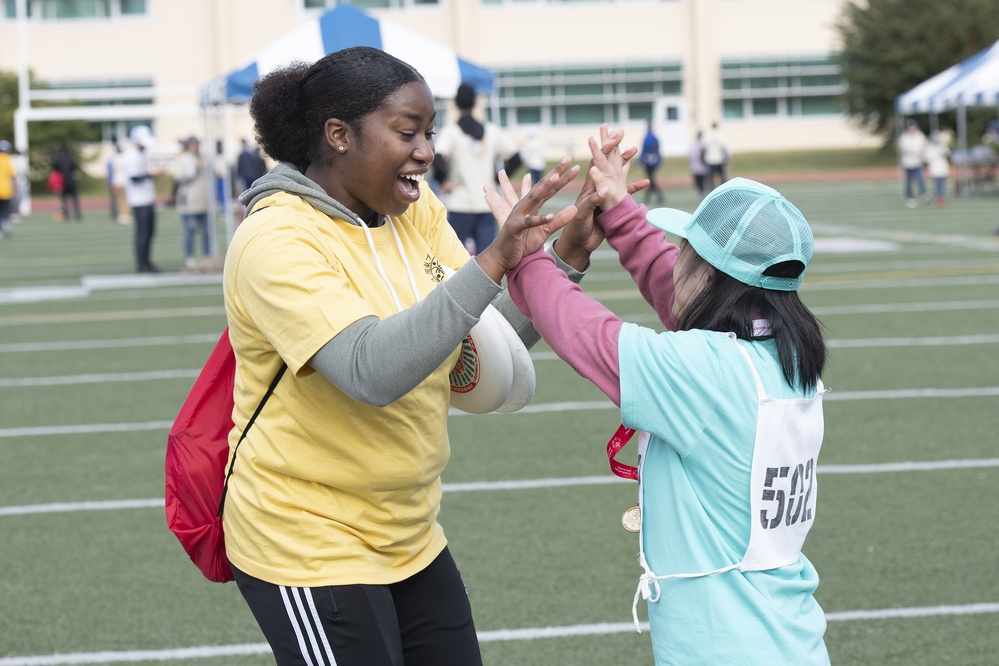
x=522 y=387
x=494 y=371
x=482 y=378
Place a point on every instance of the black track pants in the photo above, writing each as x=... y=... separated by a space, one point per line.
x=425 y=620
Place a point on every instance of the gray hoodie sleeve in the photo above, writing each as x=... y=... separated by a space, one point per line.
x=377 y=361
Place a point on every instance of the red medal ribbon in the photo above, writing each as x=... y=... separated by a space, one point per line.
x=615 y=444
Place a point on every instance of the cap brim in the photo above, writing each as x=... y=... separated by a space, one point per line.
x=670 y=220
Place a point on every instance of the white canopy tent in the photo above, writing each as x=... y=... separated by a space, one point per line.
x=338 y=28
x=971 y=83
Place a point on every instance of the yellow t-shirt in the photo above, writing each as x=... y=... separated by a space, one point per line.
x=328 y=490
x=6 y=177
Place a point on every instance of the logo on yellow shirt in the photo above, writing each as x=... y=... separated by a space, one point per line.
x=433 y=268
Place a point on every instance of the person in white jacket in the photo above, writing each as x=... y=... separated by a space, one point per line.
x=188 y=171
x=139 y=181
x=468 y=150
x=911 y=146
x=715 y=156
x=937 y=156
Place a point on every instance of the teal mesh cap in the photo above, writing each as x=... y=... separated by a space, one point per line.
x=742 y=228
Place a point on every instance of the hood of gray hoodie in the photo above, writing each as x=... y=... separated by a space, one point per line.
x=286 y=178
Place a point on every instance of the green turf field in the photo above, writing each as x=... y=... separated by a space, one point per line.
x=905 y=540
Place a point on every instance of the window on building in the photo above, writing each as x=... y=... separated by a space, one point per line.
x=369 y=4
x=565 y=2
x=781 y=87
x=69 y=10
x=584 y=94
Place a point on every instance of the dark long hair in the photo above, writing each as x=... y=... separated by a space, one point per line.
x=728 y=305
x=290 y=106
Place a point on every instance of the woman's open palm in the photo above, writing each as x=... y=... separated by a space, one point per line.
x=523 y=229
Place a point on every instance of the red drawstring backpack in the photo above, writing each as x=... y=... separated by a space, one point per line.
x=196 y=455
x=55 y=182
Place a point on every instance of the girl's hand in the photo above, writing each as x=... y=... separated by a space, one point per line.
x=523 y=230
x=612 y=166
x=582 y=235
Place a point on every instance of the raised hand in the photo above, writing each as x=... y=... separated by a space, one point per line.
x=611 y=166
x=582 y=235
x=523 y=230
x=502 y=205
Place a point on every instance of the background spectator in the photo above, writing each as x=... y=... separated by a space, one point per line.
x=716 y=157
x=698 y=169
x=651 y=158
x=65 y=163
x=250 y=165
x=7 y=188
x=466 y=153
x=140 y=192
x=188 y=171
x=911 y=149
x=535 y=154
x=937 y=154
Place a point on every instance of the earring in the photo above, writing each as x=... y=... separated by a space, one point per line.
x=341 y=148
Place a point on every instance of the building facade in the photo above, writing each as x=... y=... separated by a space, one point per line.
x=763 y=69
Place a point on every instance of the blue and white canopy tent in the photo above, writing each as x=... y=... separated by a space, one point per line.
x=970 y=83
x=345 y=26
x=338 y=28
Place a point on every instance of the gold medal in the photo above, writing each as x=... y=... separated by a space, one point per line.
x=632 y=519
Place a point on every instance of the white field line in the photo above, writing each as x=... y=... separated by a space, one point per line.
x=977 y=243
x=870 y=308
x=91 y=428
x=984 y=391
x=120 y=315
x=202 y=338
x=74 y=507
x=869 y=343
x=914 y=268
x=830 y=285
x=938 y=341
x=83 y=429
x=21 y=382
x=884 y=283
x=892 y=308
x=520 y=484
x=63 y=380
x=498 y=635
x=924 y=265
x=609 y=295
x=73 y=345
x=874 y=308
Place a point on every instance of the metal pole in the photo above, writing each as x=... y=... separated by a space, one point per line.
x=23 y=99
x=23 y=82
x=209 y=158
x=229 y=204
x=962 y=144
x=899 y=128
x=209 y=175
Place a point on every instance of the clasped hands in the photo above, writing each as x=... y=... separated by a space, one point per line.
x=524 y=230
